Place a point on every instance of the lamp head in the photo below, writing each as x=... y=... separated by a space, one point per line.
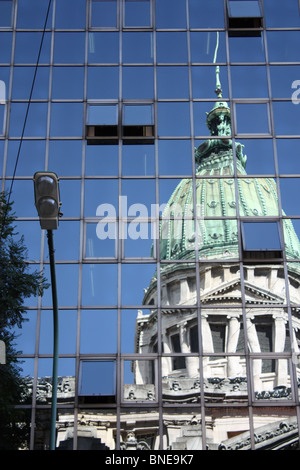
x=47 y=200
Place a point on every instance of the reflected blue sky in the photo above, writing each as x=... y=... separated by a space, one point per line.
x=175 y=70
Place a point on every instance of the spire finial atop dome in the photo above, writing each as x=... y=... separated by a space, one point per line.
x=218 y=83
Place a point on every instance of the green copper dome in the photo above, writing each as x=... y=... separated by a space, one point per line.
x=216 y=199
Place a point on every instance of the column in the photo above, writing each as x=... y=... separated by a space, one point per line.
x=254 y=347
x=280 y=336
x=207 y=342
x=233 y=362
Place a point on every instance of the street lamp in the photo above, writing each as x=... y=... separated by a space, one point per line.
x=47 y=202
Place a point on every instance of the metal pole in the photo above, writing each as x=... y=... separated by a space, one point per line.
x=55 y=340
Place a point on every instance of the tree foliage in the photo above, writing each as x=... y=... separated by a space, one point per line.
x=17 y=283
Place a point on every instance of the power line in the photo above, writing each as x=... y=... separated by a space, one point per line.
x=29 y=101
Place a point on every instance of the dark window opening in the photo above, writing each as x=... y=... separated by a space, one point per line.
x=244 y=18
x=138 y=134
x=106 y=134
x=218 y=337
x=265 y=338
x=241 y=341
x=178 y=362
x=194 y=339
x=106 y=126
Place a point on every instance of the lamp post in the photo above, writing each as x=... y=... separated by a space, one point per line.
x=47 y=202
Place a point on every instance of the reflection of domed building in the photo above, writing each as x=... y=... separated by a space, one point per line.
x=230 y=322
x=247 y=331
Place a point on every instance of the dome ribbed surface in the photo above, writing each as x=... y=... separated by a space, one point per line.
x=215 y=197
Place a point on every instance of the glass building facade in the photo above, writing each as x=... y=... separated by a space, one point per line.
x=173 y=334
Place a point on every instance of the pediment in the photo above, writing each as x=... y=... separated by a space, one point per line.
x=231 y=292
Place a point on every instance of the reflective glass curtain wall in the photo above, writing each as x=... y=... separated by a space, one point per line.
x=114 y=96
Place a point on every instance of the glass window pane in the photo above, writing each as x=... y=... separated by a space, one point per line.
x=139 y=114
x=244 y=8
x=69 y=48
x=3 y=107
x=128 y=325
x=138 y=239
x=137 y=47
x=172 y=82
x=286 y=118
x=67 y=231
x=5 y=13
x=136 y=373
x=171 y=47
x=138 y=82
x=246 y=49
x=103 y=83
x=101 y=193
x=36 y=123
x=22 y=198
x=174 y=17
x=175 y=157
x=260 y=156
x=70 y=197
x=23 y=81
x=283 y=46
x=137 y=13
x=203 y=46
x=67 y=285
x=66 y=119
x=97 y=378
x=101 y=239
x=252 y=118
x=138 y=275
x=261 y=236
x=67 y=83
x=167 y=187
x=66 y=367
x=200 y=110
x=25 y=336
x=28 y=45
x=65 y=156
x=289 y=190
x=139 y=194
x=204 y=81
x=67 y=323
x=4 y=84
x=31 y=231
x=2 y=119
x=249 y=82
x=99 y=284
x=279 y=15
x=1 y=158
x=5 y=47
x=32 y=14
x=254 y=186
x=31 y=157
x=101 y=160
x=102 y=114
x=286 y=151
x=98 y=332
x=291 y=227
x=284 y=81
x=66 y=16
x=173 y=119
x=103 y=47
x=138 y=160
x=212 y=16
x=103 y=13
